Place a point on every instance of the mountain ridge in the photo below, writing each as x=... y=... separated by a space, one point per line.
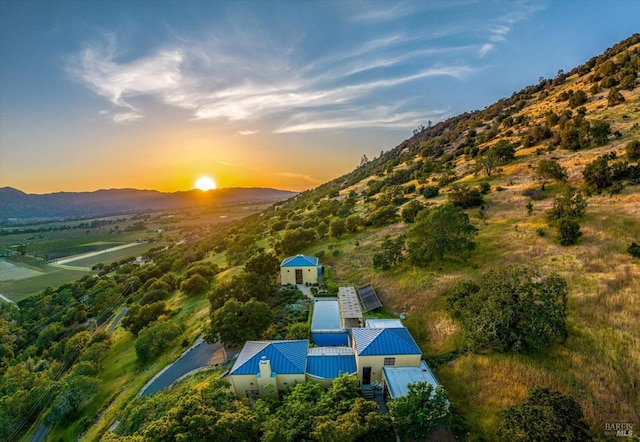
x=16 y=204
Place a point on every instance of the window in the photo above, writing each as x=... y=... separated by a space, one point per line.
x=389 y=361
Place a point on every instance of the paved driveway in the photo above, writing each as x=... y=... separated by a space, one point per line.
x=200 y=355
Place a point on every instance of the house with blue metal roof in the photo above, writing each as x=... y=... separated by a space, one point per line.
x=376 y=348
x=269 y=365
x=384 y=351
x=299 y=269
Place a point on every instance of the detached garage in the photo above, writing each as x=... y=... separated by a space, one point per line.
x=299 y=269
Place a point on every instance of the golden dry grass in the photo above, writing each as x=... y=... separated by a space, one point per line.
x=599 y=364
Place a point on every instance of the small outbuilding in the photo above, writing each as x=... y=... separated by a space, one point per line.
x=299 y=269
x=397 y=379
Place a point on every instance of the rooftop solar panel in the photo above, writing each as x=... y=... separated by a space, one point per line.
x=369 y=298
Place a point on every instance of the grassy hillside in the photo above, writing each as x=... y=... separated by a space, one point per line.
x=599 y=364
x=588 y=115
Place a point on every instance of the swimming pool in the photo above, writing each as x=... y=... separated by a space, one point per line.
x=326 y=324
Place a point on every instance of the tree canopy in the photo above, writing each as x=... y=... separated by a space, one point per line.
x=438 y=232
x=544 y=415
x=510 y=309
x=550 y=170
x=420 y=411
x=236 y=322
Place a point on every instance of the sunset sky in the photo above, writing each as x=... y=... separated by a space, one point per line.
x=285 y=94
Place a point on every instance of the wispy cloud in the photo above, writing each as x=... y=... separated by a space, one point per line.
x=194 y=79
x=381 y=116
x=243 y=75
x=485 y=49
x=126 y=117
x=503 y=25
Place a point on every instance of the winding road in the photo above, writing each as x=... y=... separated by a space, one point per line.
x=200 y=355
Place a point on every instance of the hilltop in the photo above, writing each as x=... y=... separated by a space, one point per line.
x=511 y=168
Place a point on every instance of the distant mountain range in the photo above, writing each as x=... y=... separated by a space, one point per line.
x=15 y=204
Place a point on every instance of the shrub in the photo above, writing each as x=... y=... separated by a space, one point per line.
x=465 y=197
x=634 y=250
x=430 y=191
x=632 y=150
x=568 y=231
x=544 y=415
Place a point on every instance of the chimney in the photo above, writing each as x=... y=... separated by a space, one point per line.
x=265 y=368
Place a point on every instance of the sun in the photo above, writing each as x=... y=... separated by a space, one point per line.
x=205 y=183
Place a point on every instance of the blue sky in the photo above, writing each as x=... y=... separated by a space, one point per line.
x=287 y=94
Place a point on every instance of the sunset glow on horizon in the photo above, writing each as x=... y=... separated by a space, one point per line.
x=282 y=94
x=205 y=184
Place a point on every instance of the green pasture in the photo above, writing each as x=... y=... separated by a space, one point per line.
x=52 y=276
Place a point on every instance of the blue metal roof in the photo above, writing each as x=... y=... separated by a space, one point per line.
x=384 y=341
x=300 y=261
x=286 y=357
x=331 y=366
x=399 y=378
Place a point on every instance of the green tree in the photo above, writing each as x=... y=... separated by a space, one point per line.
x=410 y=210
x=155 y=338
x=236 y=322
x=500 y=153
x=294 y=420
x=242 y=287
x=510 y=309
x=263 y=263
x=361 y=422
x=294 y=241
x=597 y=174
x=430 y=191
x=139 y=317
x=391 y=253
x=578 y=99
x=570 y=203
x=544 y=415
x=353 y=222
x=382 y=216
x=504 y=151
x=74 y=393
x=615 y=97
x=195 y=285
x=600 y=130
x=438 y=232
x=322 y=229
x=465 y=197
x=420 y=411
x=337 y=228
x=298 y=330
x=632 y=150
x=550 y=170
x=75 y=346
